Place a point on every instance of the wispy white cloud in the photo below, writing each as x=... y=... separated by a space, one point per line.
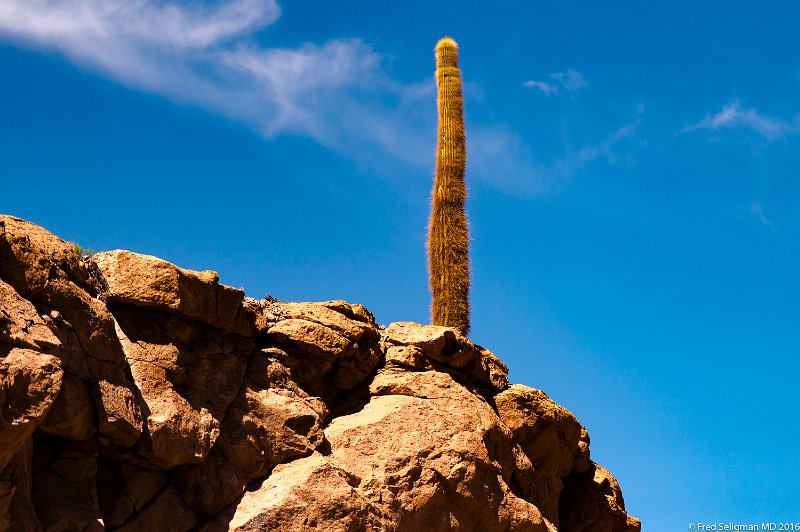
x=604 y=149
x=545 y=87
x=757 y=210
x=733 y=116
x=128 y=37
x=570 y=81
x=507 y=162
x=206 y=54
x=339 y=93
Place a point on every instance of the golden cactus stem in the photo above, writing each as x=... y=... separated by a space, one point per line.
x=448 y=235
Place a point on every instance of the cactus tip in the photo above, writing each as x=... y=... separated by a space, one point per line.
x=446 y=42
x=446 y=53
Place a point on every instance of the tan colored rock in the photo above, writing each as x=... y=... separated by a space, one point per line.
x=407 y=356
x=412 y=458
x=353 y=311
x=314 y=338
x=549 y=434
x=253 y=318
x=336 y=315
x=88 y=317
x=551 y=437
x=117 y=405
x=440 y=344
x=330 y=347
x=270 y=426
x=290 y=500
x=50 y=273
x=31 y=257
x=187 y=376
x=583 y=458
x=73 y=356
x=424 y=346
x=592 y=502
x=20 y=323
x=149 y=282
x=29 y=383
x=118 y=410
x=86 y=343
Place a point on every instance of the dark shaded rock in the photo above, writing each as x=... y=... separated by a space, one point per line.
x=550 y=436
x=64 y=488
x=72 y=416
x=592 y=502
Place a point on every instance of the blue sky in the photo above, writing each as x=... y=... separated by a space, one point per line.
x=632 y=175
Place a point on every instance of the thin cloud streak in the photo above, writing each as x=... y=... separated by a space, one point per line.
x=507 y=163
x=733 y=116
x=547 y=88
x=570 y=80
x=574 y=162
x=757 y=210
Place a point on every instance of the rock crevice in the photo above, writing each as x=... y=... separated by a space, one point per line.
x=137 y=395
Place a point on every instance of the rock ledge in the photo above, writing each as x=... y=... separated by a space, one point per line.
x=137 y=395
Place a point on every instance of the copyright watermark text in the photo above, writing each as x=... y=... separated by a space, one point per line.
x=772 y=526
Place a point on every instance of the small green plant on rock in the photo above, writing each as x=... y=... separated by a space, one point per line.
x=81 y=252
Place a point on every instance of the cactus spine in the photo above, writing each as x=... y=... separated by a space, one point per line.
x=448 y=238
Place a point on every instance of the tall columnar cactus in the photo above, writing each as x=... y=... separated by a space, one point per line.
x=448 y=238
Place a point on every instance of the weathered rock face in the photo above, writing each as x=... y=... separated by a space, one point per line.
x=136 y=395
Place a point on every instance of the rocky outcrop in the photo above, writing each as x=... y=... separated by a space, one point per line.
x=136 y=395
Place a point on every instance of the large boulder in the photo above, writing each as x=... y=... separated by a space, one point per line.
x=548 y=433
x=416 y=346
x=289 y=499
x=149 y=282
x=187 y=376
x=29 y=384
x=414 y=457
x=31 y=257
x=331 y=347
x=20 y=323
x=60 y=292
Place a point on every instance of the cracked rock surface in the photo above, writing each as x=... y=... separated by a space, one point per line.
x=136 y=395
